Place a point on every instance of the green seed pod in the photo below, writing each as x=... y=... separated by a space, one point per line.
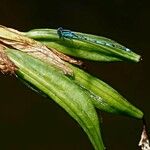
x=61 y=89
x=85 y=46
x=107 y=99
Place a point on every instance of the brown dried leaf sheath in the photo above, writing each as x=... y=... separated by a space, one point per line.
x=6 y=66
x=15 y=39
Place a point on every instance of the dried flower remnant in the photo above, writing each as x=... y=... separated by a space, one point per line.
x=144 y=142
x=6 y=66
x=67 y=58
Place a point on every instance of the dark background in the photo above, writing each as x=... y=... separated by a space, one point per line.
x=31 y=122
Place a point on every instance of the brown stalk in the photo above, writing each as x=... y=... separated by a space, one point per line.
x=144 y=141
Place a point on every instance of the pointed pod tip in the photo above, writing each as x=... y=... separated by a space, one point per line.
x=138 y=114
x=136 y=58
x=139 y=58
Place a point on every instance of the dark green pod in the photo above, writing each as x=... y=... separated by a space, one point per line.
x=107 y=99
x=82 y=48
x=62 y=90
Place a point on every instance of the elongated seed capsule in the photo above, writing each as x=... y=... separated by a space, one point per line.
x=62 y=90
x=108 y=99
x=85 y=46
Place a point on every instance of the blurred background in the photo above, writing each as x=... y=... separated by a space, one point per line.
x=29 y=121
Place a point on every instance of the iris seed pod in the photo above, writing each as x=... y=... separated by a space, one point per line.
x=107 y=99
x=104 y=50
x=61 y=89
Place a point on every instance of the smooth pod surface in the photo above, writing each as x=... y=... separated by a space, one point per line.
x=107 y=50
x=108 y=99
x=54 y=83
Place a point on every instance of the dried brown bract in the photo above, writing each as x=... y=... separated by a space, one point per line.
x=6 y=66
x=17 y=40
